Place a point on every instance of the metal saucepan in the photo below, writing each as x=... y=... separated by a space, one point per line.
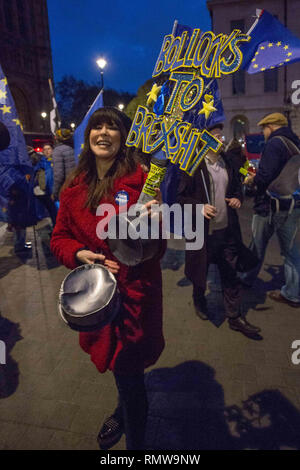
x=137 y=249
x=89 y=298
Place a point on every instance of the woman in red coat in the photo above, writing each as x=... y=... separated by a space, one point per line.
x=107 y=168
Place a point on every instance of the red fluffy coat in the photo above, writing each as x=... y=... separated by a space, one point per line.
x=137 y=341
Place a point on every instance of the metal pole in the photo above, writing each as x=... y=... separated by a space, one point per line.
x=257 y=16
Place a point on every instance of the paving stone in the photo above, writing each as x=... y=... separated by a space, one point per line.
x=34 y=438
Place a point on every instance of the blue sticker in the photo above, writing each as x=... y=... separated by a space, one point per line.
x=121 y=198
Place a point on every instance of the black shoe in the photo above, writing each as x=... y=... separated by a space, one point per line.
x=201 y=308
x=111 y=432
x=240 y=324
x=183 y=282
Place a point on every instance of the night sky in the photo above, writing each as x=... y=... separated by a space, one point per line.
x=128 y=34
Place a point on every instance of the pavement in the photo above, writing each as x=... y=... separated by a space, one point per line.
x=212 y=387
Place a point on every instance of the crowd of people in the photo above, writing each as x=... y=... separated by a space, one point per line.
x=134 y=340
x=50 y=168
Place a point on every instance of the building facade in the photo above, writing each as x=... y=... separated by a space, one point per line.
x=25 y=57
x=247 y=98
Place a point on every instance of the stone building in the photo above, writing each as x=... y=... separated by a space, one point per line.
x=246 y=98
x=25 y=57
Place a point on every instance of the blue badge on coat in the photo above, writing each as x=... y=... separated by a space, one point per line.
x=122 y=198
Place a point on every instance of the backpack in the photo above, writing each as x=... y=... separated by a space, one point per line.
x=286 y=187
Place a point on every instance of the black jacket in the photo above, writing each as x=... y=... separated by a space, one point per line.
x=274 y=157
x=191 y=191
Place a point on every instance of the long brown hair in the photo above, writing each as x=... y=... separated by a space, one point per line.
x=125 y=161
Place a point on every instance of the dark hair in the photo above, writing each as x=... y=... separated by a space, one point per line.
x=125 y=161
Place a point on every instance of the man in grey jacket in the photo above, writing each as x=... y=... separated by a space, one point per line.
x=63 y=159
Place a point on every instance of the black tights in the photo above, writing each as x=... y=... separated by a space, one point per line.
x=134 y=405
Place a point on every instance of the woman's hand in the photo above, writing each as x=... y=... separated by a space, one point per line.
x=209 y=211
x=112 y=266
x=89 y=257
x=233 y=202
x=158 y=201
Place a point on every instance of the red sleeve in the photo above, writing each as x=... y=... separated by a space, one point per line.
x=63 y=243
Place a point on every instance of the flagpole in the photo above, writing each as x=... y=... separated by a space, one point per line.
x=259 y=12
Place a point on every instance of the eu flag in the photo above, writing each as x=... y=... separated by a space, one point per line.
x=16 y=201
x=79 y=132
x=271 y=45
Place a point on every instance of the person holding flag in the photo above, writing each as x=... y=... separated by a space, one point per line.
x=16 y=185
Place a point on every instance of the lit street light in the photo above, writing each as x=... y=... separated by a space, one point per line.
x=121 y=106
x=72 y=125
x=101 y=64
x=43 y=115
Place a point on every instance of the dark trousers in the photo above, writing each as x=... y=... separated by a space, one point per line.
x=134 y=404
x=50 y=206
x=222 y=251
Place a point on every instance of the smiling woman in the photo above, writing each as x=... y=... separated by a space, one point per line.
x=108 y=173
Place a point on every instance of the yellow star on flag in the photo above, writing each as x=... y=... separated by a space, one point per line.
x=263 y=69
x=82 y=145
x=4 y=80
x=256 y=53
x=153 y=94
x=255 y=66
x=286 y=47
x=208 y=106
x=18 y=123
x=253 y=60
x=262 y=47
x=287 y=60
x=6 y=109
x=3 y=94
x=270 y=44
x=289 y=53
x=279 y=43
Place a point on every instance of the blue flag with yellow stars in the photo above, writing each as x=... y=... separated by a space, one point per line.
x=78 y=136
x=271 y=45
x=17 y=200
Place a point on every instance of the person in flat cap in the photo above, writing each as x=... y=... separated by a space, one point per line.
x=63 y=159
x=274 y=214
x=217 y=186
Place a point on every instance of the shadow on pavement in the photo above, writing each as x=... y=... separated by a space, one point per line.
x=8 y=263
x=187 y=412
x=173 y=259
x=255 y=297
x=9 y=372
x=46 y=259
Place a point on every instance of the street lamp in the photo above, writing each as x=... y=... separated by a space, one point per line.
x=72 y=125
x=101 y=64
x=121 y=106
